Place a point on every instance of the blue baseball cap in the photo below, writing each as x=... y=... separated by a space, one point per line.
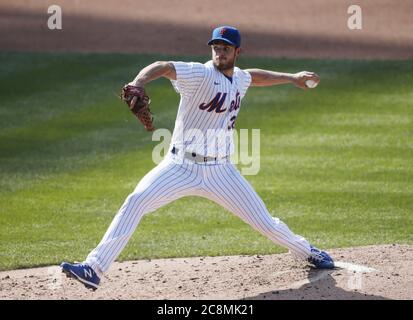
x=228 y=34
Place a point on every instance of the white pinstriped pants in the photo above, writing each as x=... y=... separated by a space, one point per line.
x=171 y=180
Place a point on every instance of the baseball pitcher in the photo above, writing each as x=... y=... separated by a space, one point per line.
x=198 y=161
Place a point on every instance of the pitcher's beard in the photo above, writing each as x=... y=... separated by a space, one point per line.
x=224 y=66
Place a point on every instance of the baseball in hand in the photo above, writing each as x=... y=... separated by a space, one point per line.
x=311 y=84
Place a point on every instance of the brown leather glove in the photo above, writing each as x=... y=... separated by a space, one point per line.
x=138 y=103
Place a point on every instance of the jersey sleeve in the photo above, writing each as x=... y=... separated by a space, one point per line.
x=245 y=82
x=189 y=77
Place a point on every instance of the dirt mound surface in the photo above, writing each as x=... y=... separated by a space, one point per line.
x=283 y=28
x=372 y=272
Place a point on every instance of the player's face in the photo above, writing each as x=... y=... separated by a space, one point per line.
x=224 y=55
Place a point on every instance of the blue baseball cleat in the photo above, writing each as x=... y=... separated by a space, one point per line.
x=320 y=259
x=82 y=273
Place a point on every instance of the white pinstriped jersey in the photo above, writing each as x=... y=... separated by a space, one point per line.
x=209 y=105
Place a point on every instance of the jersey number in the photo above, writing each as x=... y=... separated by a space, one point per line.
x=232 y=122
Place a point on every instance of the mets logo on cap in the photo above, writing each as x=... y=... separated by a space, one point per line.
x=226 y=33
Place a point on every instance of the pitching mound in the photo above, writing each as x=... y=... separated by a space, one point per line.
x=372 y=272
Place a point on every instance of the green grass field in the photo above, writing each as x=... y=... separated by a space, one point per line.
x=336 y=162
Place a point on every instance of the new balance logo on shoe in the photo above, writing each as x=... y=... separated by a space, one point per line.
x=88 y=273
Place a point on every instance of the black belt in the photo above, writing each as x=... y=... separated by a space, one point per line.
x=195 y=157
